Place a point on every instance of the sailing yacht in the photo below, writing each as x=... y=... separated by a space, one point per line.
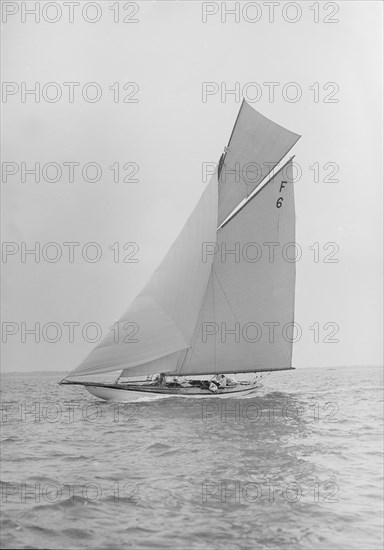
x=222 y=299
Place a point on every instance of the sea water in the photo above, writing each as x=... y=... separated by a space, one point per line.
x=297 y=466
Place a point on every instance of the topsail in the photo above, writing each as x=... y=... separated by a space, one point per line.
x=255 y=147
x=218 y=302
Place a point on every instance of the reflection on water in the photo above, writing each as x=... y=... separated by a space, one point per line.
x=297 y=466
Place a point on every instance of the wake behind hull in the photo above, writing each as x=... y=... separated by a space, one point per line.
x=128 y=395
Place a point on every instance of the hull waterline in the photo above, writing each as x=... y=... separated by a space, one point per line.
x=119 y=393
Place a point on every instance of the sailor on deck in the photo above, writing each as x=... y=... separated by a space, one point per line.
x=159 y=379
x=212 y=387
x=223 y=381
x=219 y=380
x=231 y=381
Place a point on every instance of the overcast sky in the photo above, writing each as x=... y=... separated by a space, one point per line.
x=169 y=133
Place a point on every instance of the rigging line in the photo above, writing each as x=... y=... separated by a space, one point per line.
x=221 y=286
x=214 y=317
x=226 y=148
x=230 y=305
x=236 y=121
x=201 y=318
x=181 y=361
x=291 y=205
x=192 y=348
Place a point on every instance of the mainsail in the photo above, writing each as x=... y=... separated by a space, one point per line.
x=219 y=302
x=246 y=320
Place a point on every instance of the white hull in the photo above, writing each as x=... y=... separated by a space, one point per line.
x=129 y=396
x=122 y=396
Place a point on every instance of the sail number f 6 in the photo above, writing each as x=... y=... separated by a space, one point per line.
x=279 y=201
